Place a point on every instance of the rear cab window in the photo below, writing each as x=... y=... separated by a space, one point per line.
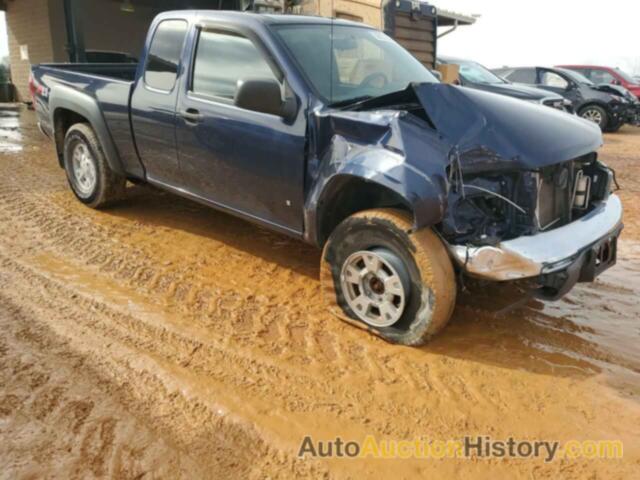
x=163 y=59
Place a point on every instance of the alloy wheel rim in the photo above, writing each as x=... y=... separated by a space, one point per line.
x=375 y=284
x=593 y=115
x=84 y=170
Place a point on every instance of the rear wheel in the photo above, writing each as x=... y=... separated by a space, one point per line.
x=88 y=172
x=379 y=275
x=596 y=114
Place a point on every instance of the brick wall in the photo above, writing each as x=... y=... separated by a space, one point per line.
x=40 y=25
x=28 y=24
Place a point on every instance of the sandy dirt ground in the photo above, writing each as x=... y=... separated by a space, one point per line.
x=161 y=339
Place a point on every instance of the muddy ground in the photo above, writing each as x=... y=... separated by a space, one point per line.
x=161 y=339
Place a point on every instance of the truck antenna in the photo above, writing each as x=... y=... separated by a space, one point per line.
x=333 y=12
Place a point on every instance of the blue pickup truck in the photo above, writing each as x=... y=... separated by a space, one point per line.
x=329 y=131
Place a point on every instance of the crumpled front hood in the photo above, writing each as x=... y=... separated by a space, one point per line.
x=616 y=90
x=404 y=143
x=508 y=130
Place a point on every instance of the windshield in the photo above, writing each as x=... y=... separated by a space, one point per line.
x=359 y=63
x=627 y=78
x=475 y=73
x=576 y=77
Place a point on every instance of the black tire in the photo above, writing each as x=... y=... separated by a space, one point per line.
x=592 y=111
x=108 y=186
x=431 y=287
x=614 y=127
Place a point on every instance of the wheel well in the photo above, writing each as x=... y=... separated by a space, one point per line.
x=350 y=195
x=63 y=120
x=593 y=104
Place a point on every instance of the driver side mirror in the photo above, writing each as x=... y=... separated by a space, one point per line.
x=615 y=82
x=260 y=95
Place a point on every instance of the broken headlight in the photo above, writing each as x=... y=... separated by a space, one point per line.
x=487 y=209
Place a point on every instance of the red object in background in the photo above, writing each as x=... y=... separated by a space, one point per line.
x=599 y=74
x=35 y=89
x=32 y=88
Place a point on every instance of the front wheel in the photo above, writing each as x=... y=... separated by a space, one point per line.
x=379 y=275
x=597 y=115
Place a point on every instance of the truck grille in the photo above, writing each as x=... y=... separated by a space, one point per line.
x=553 y=208
x=506 y=205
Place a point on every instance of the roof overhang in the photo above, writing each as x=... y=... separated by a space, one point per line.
x=452 y=19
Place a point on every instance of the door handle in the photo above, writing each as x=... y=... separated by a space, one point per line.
x=191 y=115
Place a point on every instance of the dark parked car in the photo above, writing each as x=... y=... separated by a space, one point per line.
x=474 y=75
x=357 y=149
x=609 y=106
x=607 y=75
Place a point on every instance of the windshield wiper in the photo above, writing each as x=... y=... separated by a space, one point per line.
x=351 y=101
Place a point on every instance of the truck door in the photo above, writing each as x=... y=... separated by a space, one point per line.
x=247 y=162
x=154 y=101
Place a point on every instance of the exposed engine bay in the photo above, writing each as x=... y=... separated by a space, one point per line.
x=487 y=208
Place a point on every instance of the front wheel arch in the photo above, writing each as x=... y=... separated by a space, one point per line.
x=347 y=195
x=599 y=107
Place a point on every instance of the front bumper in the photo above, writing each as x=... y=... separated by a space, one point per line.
x=626 y=113
x=633 y=114
x=544 y=253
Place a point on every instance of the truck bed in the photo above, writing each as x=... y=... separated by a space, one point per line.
x=120 y=71
x=109 y=84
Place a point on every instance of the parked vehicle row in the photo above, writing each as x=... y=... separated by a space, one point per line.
x=608 y=105
x=408 y=185
x=607 y=76
x=605 y=96
x=474 y=75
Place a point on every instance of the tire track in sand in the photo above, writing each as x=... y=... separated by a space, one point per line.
x=256 y=358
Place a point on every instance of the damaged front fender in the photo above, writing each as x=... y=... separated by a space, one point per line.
x=364 y=162
x=470 y=163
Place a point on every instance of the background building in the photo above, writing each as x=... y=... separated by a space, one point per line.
x=60 y=30
x=73 y=30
